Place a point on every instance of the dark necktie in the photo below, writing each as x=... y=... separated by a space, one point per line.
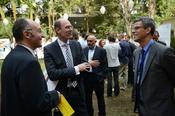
x=141 y=65
x=139 y=78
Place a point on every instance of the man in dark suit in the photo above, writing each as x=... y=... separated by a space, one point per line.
x=154 y=73
x=65 y=62
x=124 y=54
x=95 y=77
x=24 y=90
x=156 y=38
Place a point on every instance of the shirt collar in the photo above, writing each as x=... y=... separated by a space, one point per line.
x=93 y=48
x=146 y=48
x=61 y=43
x=31 y=50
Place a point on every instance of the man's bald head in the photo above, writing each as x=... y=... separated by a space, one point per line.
x=27 y=32
x=91 y=40
x=63 y=29
x=19 y=27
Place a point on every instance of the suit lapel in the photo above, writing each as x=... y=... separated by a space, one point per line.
x=136 y=63
x=95 y=52
x=86 y=50
x=151 y=55
x=72 y=48
x=60 y=54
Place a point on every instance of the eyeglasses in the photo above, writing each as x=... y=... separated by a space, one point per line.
x=89 y=41
x=138 y=27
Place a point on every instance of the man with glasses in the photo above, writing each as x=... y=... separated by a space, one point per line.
x=154 y=72
x=65 y=63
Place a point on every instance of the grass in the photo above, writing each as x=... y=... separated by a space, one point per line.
x=115 y=106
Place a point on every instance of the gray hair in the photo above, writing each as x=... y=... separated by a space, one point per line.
x=147 y=22
x=19 y=27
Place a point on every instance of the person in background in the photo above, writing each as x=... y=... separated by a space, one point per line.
x=124 y=60
x=101 y=43
x=24 y=89
x=65 y=63
x=112 y=50
x=75 y=35
x=83 y=39
x=130 y=63
x=154 y=69
x=156 y=38
x=94 y=80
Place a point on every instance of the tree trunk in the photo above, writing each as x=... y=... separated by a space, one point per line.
x=49 y=19
x=14 y=9
x=126 y=11
x=152 y=8
x=2 y=13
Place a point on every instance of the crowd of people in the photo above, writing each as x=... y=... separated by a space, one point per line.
x=81 y=65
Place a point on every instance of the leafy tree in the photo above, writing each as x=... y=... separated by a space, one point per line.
x=114 y=20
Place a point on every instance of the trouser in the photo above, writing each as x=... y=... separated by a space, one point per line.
x=93 y=84
x=113 y=73
x=123 y=75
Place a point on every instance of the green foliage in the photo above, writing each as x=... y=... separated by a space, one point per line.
x=164 y=10
x=111 y=21
x=6 y=31
x=3 y=2
x=172 y=44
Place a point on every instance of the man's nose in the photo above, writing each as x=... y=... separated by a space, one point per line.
x=42 y=36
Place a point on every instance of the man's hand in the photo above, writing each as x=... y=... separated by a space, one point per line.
x=94 y=63
x=84 y=66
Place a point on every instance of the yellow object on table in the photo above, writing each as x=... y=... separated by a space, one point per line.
x=65 y=107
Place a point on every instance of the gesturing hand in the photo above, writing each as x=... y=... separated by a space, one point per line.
x=84 y=66
x=94 y=63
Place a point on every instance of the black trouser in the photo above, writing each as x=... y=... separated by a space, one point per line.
x=130 y=72
x=113 y=72
x=92 y=82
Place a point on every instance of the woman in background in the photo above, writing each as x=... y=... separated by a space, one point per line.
x=101 y=43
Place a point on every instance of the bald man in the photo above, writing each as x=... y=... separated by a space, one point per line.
x=95 y=76
x=24 y=90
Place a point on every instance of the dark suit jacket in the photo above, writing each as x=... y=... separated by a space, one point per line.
x=99 y=54
x=57 y=69
x=24 y=90
x=125 y=52
x=158 y=81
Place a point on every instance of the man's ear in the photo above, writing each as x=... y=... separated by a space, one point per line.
x=148 y=30
x=57 y=30
x=27 y=34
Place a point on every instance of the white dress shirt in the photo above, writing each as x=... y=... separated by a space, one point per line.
x=63 y=49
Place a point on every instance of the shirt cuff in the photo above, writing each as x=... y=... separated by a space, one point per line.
x=90 y=69
x=77 y=70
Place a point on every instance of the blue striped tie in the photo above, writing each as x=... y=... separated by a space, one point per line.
x=69 y=63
